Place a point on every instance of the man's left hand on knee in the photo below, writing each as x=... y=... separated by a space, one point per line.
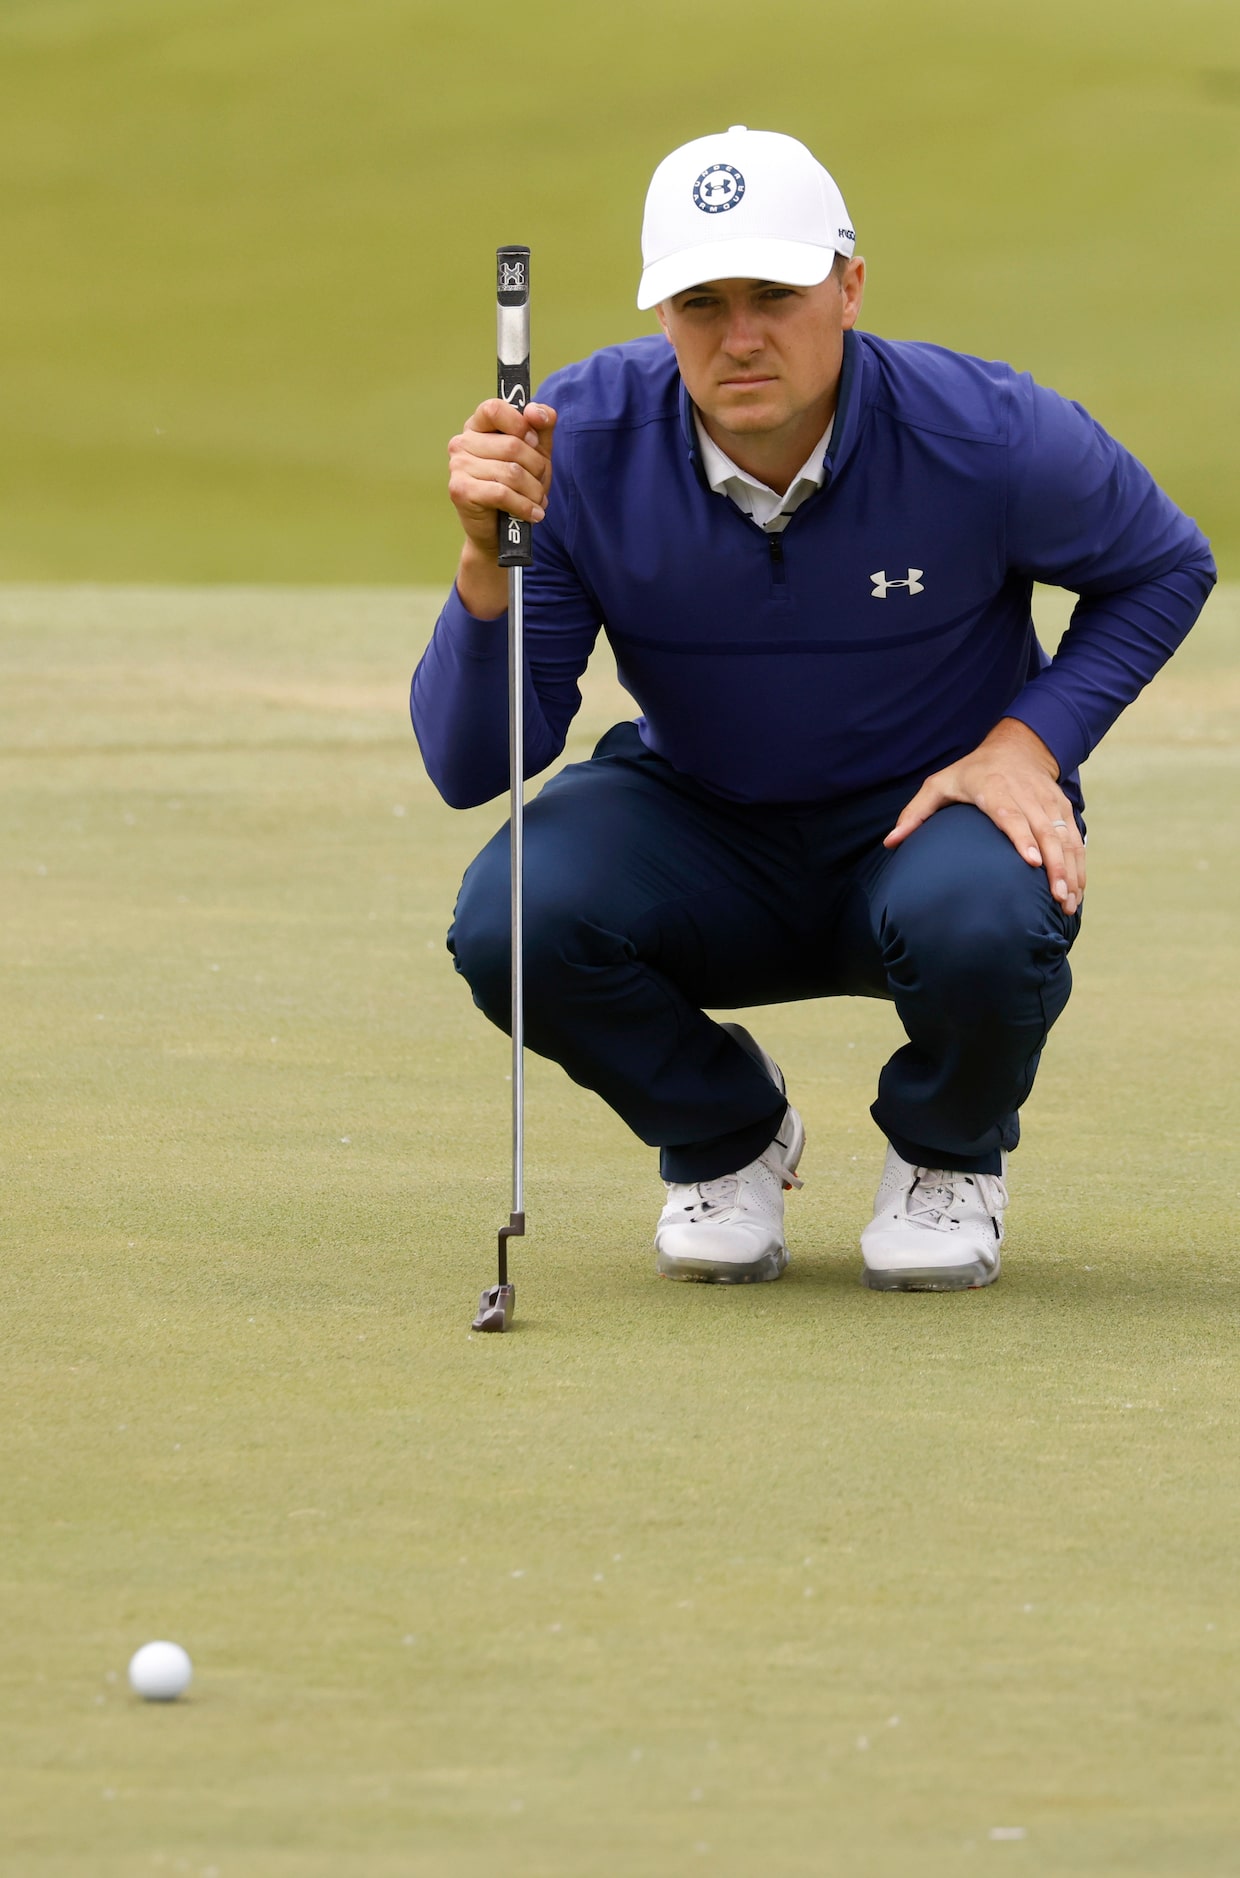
x=1013 y=778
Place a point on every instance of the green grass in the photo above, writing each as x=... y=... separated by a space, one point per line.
x=248 y=248
x=797 y=1579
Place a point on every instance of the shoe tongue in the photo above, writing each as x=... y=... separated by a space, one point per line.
x=933 y=1194
x=721 y=1192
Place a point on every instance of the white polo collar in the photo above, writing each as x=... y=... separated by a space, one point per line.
x=757 y=499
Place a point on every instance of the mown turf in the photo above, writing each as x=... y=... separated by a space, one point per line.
x=795 y=1579
x=248 y=248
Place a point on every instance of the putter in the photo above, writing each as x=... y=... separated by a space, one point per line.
x=512 y=294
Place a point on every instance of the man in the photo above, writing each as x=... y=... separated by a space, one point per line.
x=855 y=772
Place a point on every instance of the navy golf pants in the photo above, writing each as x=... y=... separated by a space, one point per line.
x=648 y=901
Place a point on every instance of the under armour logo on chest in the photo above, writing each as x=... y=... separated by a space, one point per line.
x=882 y=586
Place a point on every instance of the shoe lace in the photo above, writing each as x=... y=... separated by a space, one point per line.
x=773 y=1158
x=724 y=1190
x=933 y=1194
x=711 y=1194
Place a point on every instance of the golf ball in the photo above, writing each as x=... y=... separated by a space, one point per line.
x=160 y=1672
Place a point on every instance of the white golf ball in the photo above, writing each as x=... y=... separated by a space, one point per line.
x=160 y=1672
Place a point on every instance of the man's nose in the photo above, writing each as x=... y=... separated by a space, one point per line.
x=742 y=336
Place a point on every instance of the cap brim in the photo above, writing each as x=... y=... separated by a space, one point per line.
x=798 y=263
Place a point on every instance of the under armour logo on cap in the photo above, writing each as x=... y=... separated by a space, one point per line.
x=913 y=581
x=718 y=188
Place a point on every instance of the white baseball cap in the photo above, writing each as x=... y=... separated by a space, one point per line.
x=747 y=205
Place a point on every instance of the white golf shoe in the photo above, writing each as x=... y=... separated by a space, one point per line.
x=933 y=1229
x=730 y=1231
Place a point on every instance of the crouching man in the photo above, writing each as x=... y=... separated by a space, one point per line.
x=855 y=769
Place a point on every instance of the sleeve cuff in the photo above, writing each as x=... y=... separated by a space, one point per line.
x=483 y=639
x=1054 y=720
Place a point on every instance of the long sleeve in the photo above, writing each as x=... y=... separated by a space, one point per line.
x=1084 y=514
x=459 y=697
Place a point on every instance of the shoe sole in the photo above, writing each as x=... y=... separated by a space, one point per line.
x=708 y=1272
x=953 y=1278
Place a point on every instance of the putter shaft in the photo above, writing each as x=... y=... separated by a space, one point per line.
x=496 y=1306
x=515 y=554
x=516 y=784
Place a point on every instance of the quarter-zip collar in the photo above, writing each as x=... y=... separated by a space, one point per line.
x=750 y=494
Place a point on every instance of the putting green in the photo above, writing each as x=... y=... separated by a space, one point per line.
x=248 y=249
x=793 y=1579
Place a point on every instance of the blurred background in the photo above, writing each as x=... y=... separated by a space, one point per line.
x=248 y=249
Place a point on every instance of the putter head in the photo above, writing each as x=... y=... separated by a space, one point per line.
x=495 y=1308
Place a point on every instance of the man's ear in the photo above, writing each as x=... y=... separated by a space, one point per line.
x=663 y=321
x=853 y=289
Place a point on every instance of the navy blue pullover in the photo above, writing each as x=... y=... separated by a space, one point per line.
x=880 y=637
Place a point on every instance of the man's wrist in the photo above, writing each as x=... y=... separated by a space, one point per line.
x=481 y=583
x=1013 y=730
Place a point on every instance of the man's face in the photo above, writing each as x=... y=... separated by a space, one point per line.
x=759 y=357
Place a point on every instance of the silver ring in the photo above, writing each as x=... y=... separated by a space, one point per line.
x=1061 y=824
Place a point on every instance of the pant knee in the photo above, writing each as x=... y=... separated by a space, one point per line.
x=967 y=944
x=480 y=937
x=556 y=939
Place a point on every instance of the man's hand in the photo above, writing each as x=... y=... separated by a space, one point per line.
x=500 y=462
x=1013 y=778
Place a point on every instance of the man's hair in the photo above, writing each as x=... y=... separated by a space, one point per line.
x=838 y=265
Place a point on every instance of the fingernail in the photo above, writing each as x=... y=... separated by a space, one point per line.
x=538 y=514
x=531 y=436
x=1031 y=854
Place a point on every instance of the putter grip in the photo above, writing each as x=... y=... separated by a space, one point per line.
x=512 y=348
